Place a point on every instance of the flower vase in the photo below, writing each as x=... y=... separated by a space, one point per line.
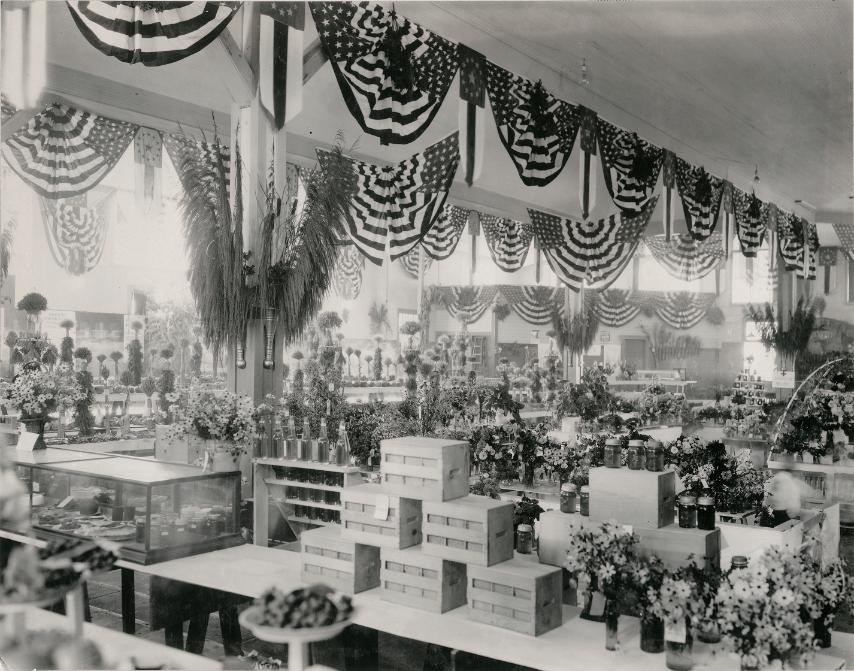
x=652 y=635
x=594 y=603
x=822 y=628
x=709 y=632
x=36 y=425
x=612 y=626
x=220 y=458
x=528 y=475
x=679 y=656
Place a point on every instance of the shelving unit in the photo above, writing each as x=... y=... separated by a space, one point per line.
x=275 y=479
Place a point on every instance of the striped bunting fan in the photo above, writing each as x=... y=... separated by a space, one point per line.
x=63 y=152
x=701 y=198
x=679 y=310
x=203 y=158
x=151 y=33
x=611 y=306
x=409 y=262
x=76 y=233
x=845 y=233
x=630 y=165
x=684 y=257
x=508 y=241
x=467 y=304
x=7 y=109
x=347 y=276
x=797 y=241
x=536 y=129
x=595 y=251
x=534 y=304
x=750 y=224
x=397 y=205
x=392 y=73
x=442 y=238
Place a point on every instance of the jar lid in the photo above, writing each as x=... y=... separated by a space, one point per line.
x=687 y=500
x=636 y=443
x=738 y=561
x=525 y=527
x=585 y=489
x=705 y=500
x=567 y=487
x=654 y=443
x=613 y=441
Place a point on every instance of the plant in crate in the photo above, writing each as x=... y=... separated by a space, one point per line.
x=598 y=561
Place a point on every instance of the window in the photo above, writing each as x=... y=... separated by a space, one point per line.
x=752 y=281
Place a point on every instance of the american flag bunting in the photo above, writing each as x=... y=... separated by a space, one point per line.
x=442 y=238
x=631 y=166
x=472 y=106
x=685 y=258
x=508 y=241
x=534 y=305
x=701 y=198
x=280 y=55
x=611 y=306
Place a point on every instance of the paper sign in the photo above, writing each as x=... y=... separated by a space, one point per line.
x=26 y=441
x=381 y=505
x=65 y=502
x=597 y=604
x=675 y=633
x=783 y=379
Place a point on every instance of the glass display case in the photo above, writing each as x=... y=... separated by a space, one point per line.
x=153 y=510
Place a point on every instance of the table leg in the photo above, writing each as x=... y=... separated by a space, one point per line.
x=297 y=656
x=196 y=634
x=232 y=638
x=87 y=611
x=128 y=602
x=174 y=635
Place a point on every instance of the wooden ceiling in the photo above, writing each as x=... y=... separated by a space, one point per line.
x=726 y=84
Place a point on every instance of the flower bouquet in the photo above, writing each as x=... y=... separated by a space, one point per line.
x=832 y=591
x=647 y=576
x=761 y=610
x=679 y=605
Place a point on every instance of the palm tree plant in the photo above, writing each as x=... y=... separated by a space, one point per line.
x=298 y=357
x=67 y=346
x=358 y=354
x=388 y=362
x=101 y=367
x=575 y=333
x=787 y=342
x=33 y=304
x=349 y=353
x=378 y=314
x=116 y=357
x=135 y=354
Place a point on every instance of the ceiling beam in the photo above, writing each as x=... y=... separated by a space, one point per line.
x=233 y=69
x=128 y=103
x=312 y=60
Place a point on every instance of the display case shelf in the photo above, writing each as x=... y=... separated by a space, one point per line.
x=317 y=523
x=303 y=485
x=307 y=465
x=312 y=504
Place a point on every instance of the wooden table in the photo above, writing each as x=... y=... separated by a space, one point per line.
x=116 y=646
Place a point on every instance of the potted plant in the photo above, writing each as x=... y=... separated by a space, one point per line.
x=148 y=386
x=525 y=511
x=37 y=393
x=82 y=410
x=67 y=346
x=228 y=424
x=33 y=304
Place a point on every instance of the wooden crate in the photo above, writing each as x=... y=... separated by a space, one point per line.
x=518 y=594
x=430 y=469
x=636 y=498
x=414 y=578
x=401 y=528
x=473 y=530
x=344 y=565
x=673 y=545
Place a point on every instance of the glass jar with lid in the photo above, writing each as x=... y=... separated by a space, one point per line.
x=584 y=500
x=737 y=562
x=613 y=453
x=687 y=511
x=567 y=497
x=706 y=512
x=524 y=539
x=635 y=459
x=654 y=456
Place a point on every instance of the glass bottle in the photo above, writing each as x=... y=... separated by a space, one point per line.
x=613 y=453
x=306 y=451
x=342 y=449
x=636 y=455
x=567 y=497
x=687 y=511
x=323 y=442
x=524 y=539
x=292 y=444
x=654 y=456
x=584 y=500
x=706 y=512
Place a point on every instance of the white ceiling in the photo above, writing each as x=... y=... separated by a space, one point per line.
x=723 y=83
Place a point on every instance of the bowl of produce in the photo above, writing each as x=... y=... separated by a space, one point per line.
x=305 y=615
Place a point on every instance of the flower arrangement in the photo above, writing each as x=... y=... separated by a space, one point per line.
x=36 y=393
x=599 y=558
x=761 y=610
x=229 y=418
x=485 y=485
x=647 y=575
x=589 y=398
x=627 y=369
x=526 y=511
x=678 y=600
x=832 y=591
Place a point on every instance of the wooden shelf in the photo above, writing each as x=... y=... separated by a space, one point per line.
x=303 y=485
x=307 y=465
x=312 y=504
x=317 y=523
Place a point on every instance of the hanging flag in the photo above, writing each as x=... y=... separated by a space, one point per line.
x=151 y=33
x=728 y=208
x=630 y=165
x=467 y=304
x=595 y=251
x=845 y=233
x=827 y=259
x=474 y=232
x=24 y=51
x=749 y=223
x=442 y=239
x=280 y=56
x=534 y=305
x=209 y=161
x=685 y=258
x=537 y=262
x=508 y=241
x=472 y=105
x=76 y=233
x=797 y=241
x=701 y=198
x=393 y=73
x=679 y=310
x=148 y=159
x=587 y=140
x=409 y=262
x=347 y=276
x=397 y=205
x=668 y=178
x=63 y=152
x=536 y=129
x=611 y=306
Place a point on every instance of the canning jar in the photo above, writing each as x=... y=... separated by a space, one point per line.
x=654 y=456
x=524 y=539
x=706 y=512
x=567 y=497
x=687 y=511
x=613 y=453
x=584 y=500
x=635 y=458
